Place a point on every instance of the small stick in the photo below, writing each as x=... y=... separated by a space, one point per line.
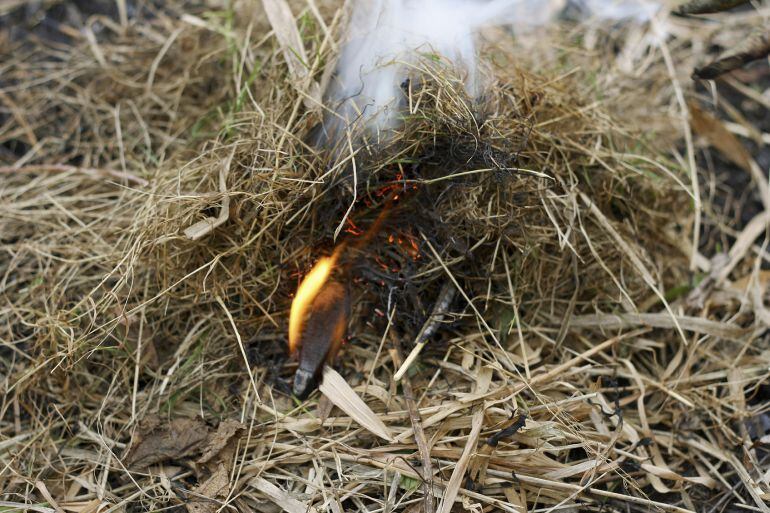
x=413 y=354
x=419 y=433
x=707 y=6
x=757 y=48
x=445 y=297
x=511 y=430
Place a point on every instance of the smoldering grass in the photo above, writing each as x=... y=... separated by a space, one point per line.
x=113 y=146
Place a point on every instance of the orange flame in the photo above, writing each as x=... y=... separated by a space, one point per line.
x=314 y=281
x=309 y=288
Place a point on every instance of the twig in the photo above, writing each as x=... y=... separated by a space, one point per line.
x=508 y=432
x=455 y=480
x=757 y=48
x=419 y=433
x=707 y=6
x=413 y=354
x=435 y=318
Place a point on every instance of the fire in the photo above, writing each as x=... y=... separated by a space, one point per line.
x=317 y=281
x=308 y=290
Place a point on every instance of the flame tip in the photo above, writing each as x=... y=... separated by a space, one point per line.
x=308 y=289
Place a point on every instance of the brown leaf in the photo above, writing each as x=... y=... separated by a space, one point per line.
x=221 y=444
x=214 y=488
x=714 y=131
x=155 y=441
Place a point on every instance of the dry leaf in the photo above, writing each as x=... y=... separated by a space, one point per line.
x=155 y=441
x=325 y=407
x=281 y=498
x=92 y=506
x=215 y=488
x=221 y=444
x=718 y=136
x=455 y=481
x=339 y=392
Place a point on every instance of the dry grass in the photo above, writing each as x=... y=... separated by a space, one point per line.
x=160 y=202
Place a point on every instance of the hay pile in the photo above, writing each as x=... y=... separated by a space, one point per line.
x=161 y=202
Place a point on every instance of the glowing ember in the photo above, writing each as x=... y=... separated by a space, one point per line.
x=308 y=290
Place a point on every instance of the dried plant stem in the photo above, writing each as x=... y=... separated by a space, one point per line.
x=758 y=47
x=443 y=300
x=455 y=481
x=419 y=432
x=708 y=6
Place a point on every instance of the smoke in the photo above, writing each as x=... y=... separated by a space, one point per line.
x=636 y=10
x=387 y=38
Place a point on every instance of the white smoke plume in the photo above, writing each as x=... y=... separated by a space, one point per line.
x=386 y=38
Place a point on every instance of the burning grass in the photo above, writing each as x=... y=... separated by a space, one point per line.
x=162 y=201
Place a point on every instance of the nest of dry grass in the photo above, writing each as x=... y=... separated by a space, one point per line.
x=161 y=202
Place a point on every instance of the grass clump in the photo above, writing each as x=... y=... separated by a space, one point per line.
x=130 y=326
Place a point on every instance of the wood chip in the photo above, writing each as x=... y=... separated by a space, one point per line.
x=208 y=494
